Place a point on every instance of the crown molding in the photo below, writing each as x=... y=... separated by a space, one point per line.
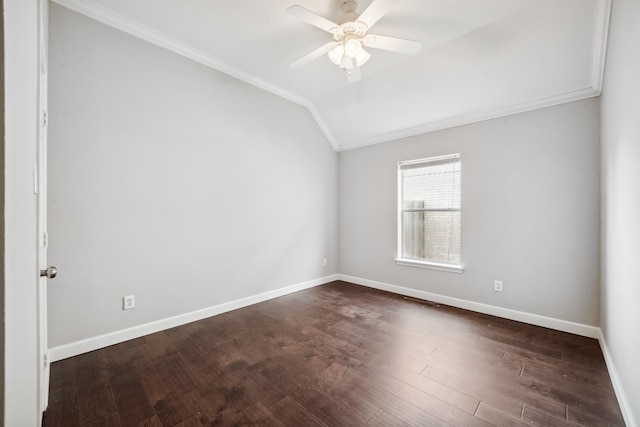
x=594 y=88
x=478 y=116
x=145 y=33
x=601 y=34
x=322 y=125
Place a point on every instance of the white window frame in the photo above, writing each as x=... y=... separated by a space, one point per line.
x=454 y=268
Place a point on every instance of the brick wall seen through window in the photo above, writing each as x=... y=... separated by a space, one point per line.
x=430 y=210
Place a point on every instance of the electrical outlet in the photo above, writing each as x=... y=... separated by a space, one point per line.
x=324 y=262
x=497 y=285
x=129 y=302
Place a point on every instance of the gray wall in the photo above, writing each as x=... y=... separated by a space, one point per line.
x=173 y=182
x=620 y=321
x=530 y=212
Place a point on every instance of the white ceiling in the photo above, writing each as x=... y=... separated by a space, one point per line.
x=480 y=58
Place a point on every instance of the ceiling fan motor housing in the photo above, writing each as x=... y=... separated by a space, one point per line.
x=348 y=8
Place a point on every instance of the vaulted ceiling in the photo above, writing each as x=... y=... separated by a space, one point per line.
x=480 y=58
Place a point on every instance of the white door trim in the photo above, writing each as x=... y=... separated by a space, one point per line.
x=41 y=188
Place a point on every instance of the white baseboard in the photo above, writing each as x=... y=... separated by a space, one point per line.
x=95 y=343
x=520 y=316
x=101 y=341
x=533 y=319
x=623 y=400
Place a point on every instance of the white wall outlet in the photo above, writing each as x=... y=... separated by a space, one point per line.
x=497 y=285
x=129 y=302
x=324 y=262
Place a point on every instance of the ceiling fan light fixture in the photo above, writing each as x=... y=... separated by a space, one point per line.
x=349 y=53
x=347 y=62
x=336 y=54
x=352 y=46
x=347 y=50
x=362 y=57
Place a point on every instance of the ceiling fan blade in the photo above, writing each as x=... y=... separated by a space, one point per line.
x=375 y=11
x=354 y=75
x=322 y=50
x=410 y=47
x=309 y=17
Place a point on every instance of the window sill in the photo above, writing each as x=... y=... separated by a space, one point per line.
x=452 y=268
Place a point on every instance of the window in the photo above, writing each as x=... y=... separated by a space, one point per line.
x=429 y=213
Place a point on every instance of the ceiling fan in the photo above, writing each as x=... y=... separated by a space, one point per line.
x=350 y=36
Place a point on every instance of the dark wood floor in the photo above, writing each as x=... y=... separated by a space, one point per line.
x=339 y=355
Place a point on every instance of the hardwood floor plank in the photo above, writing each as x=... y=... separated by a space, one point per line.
x=167 y=375
x=350 y=399
x=497 y=417
x=394 y=355
x=292 y=413
x=500 y=382
x=256 y=388
x=110 y=420
x=433 y=405
x=58 y=419
x=131 y=399
x=177 y=407
x=486 y=392
x=95 y=400
x=90 y=369
x=589 y=399
x=151 y=422
x=568 y=375
x=190 y=422
x=533 y=416
x=339 y=355
x=471 y=363
x=590 y=415
x=223 y=417
x=399 y=407
x=352 y=344
x=568 y=343
x=216 y=406
x=449 y=395
x=508 y=344
x=257 y=414
x=63 y=405
x=373 y=335
x=325 y=407
x=595 y=362
x=62 y=375
x=383 y=418
x=356 y=312
x=582 y=375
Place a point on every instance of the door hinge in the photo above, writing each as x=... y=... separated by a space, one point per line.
x=46 y=360
x=45 y=118
x=45 y=239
